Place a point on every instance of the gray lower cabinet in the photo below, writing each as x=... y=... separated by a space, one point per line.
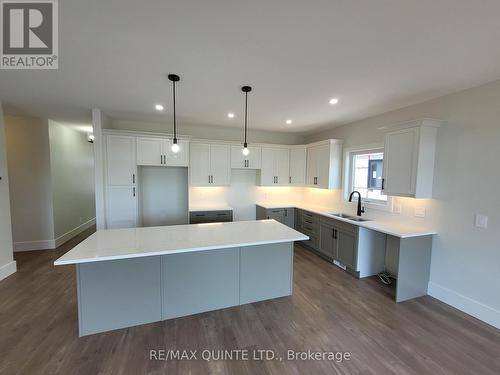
x=333 y=239
x=220 y=216
x=346 y=248
x=327 y=243
x=283 y=215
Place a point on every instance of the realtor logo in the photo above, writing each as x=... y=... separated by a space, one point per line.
x=29 y=37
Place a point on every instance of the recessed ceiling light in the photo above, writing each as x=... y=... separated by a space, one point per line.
x=159 y=107
x=230 y=115
x=288 y=122
x=333 y=101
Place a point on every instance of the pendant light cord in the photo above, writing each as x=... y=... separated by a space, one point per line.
x=175 y=125
x=246 y=106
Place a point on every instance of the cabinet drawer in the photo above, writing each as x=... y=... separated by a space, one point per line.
x=309 y=217
x=199 y=217
x=276 y=211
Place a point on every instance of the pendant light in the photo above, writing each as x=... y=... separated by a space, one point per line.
x=246 y=90
x=174 y=78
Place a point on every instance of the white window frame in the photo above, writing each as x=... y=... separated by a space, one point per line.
x=347 y=177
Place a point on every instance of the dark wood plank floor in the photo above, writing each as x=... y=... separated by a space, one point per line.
x=329 y=311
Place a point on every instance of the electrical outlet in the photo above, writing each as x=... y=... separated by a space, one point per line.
x=396 y=208
x=481 y=221
x=419 y=211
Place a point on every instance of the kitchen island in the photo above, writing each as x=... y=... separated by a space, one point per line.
x=127 y=277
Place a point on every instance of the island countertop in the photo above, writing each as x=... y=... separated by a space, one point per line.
x=114 y=244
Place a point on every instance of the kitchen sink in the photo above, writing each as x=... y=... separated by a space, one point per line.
x=350 y=217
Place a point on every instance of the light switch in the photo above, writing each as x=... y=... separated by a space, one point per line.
x=481 y=221
x=420 y=211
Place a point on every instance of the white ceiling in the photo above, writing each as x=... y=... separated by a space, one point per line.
x=374 y=56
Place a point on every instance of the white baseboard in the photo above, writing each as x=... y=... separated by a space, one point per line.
x=53 y=243
x=34 y=245
x=468 y=305
x=73 y=232
x=8 y=269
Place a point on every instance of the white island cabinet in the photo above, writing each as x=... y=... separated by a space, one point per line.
x=127 y=277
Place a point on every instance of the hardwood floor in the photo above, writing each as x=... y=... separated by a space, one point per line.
x=329 y=311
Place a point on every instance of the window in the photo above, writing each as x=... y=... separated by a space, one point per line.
x=365 y=175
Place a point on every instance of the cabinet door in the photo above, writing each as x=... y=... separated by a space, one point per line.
x=290 y=217
x=121 y=207
x=199 y=164
x=279 y=217
x=323 y=166
x=298 y=166
x=220 y=165
x=312 y=168
x=150 y=151
x=237 y=158
x=267 y=175
x=326 y=240
x=120 y=160
x=282 y=166
x=179 y=159
x=240 y=161
x=254 y=158
x=346 y=248
x=400 y=155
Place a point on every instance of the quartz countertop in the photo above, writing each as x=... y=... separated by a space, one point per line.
x=114 y=244
x=216 y=207
x=400 y=229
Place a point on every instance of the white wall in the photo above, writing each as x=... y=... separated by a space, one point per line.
x=72 y=174
x=28 y=156
x=223 y=133
x=242 y=194
x=465 y=260
x=7 y=263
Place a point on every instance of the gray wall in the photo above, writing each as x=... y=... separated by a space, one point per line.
x=72 y=174
x=7 y=264
x=163 y=195
x=465 y=260
x=28 y=156
x=223 y=133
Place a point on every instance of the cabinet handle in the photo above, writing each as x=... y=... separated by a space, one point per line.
x=383 y=183
x=212 y=179
x=133 y=191
x=208 y=178
x=133 y=178
x=286 y=212
x=290 y=179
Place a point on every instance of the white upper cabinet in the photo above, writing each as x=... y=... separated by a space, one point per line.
x=298 y=165
x=409 y=155
x=120 y=160
x=324 y=164
x=209 y=164
x=157 y=151
x=275 y=168
x=176 y=159
x=240 y=161
x=150 y=151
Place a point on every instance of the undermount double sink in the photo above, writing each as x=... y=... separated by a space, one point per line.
x=349 y=217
